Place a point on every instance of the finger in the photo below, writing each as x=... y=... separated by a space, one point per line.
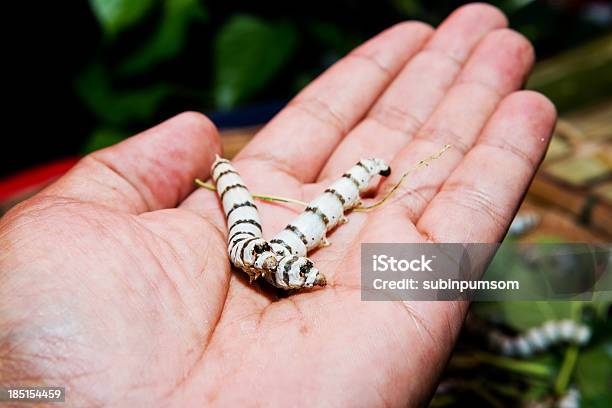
x=480 y=198
x=497 y=67
x=152 y=170
x=299 y=140
x=417 y=90
x=293 y=146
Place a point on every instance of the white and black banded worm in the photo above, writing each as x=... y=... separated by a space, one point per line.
x=571 y=399
x=540 y=338
x=246 y=248
x=309 y=229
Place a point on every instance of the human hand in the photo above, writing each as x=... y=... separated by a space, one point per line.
x=115 y=281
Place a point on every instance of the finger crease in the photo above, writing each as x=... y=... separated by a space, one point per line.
x=374 y=61
x=322 y=111
x=480 y=84
x=443 y=137
x=476 y=200
x=427 y=236
x=439 y=53
x=146 y=203
x=415 y=203
x=509 y=148
x=394 y=118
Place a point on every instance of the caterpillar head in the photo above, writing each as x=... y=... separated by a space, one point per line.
x=377 y=166
x=258 y=253
x=296 y=272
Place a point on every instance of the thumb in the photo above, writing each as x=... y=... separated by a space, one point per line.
x=152 y=170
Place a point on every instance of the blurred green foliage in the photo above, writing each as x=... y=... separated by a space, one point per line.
x=117 y=15
x=540 y=380
x=157 y=57
x=578 y=76
x=168 y=38
x=594 y=374
x=482 y=378
x=118 y=106
x=268 y=48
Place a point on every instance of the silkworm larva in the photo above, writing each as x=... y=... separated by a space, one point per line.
x=540 y=338
x=309 y=229
x=246 y=247
x=571 y=399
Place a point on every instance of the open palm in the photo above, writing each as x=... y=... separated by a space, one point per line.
x=115 y=282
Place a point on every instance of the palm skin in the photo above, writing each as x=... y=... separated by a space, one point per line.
x=115 y=282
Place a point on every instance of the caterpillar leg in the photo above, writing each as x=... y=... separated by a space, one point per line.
x=324 y=242
x=343 y=219
x=253 y=275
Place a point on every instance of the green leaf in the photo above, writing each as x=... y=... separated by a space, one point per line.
x=594 y=375
x=117 y=15
x=114 y=106
x=601 y=309
x=169 y=38
x=334 y=37
x=512 y=6
x=248 y=53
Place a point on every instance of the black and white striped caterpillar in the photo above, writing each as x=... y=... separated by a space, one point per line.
x=246 y=248
x=571 y=399
x=283 y=262
x=309 y=229
x=540 y=338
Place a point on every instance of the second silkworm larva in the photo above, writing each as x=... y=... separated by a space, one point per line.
x=309 y=229
x=540 y=338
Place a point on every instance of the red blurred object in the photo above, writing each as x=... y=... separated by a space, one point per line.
x=22 y=185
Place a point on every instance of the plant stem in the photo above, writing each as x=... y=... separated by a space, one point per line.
x=207 y=186
x=210 y=187
x=570 y=357
x=569 y=362
x=422 y=163
x=510 y=364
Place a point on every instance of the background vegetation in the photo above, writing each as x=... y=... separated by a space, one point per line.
x=91 y=73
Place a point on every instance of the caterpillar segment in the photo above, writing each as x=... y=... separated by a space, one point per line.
x=571 y=399
x=540 y=338
x=295 y=272
x=309 y=229
x=247 y=249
